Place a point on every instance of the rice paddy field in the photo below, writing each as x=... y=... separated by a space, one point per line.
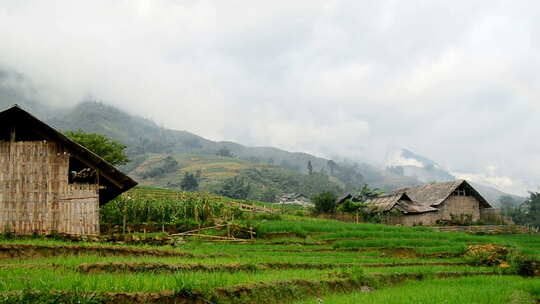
x=294 y=259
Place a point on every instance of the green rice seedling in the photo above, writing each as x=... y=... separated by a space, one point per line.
x=43 y=279
x=479 y=289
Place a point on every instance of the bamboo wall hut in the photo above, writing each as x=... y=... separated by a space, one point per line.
x=432 y=203
x=48 y=183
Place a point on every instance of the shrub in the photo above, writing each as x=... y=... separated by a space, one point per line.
x=325 y=203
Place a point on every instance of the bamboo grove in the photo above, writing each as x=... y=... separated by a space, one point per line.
x=135 y=212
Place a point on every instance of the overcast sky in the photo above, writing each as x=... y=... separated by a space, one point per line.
x=456 y=81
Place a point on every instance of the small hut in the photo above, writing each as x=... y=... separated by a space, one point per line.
x=49 y=183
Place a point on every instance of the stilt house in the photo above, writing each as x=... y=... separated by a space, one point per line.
x=48 y=183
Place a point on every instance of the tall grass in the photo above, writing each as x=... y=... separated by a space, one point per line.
x=186 y=207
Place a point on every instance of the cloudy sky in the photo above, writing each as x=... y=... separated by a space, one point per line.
x=456 y=81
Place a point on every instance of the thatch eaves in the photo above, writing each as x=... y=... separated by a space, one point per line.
x=411 y=207
x=399 y=201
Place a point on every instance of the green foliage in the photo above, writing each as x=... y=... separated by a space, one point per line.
x=189 y=182
x=351 y=207
x=186 y=207
x=358 y=204
x=108 y=149
x=225 y=152
x=325 y=202
x=235 y=187
x=523 y=265
x=166 y=165
x=526 y=213
x=365 y=193
x=267 y=183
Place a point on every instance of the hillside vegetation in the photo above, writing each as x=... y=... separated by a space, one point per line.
x=265 y=181
x=145 y=139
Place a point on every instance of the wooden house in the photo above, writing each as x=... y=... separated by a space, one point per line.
x=430 y=204
x=48 y=183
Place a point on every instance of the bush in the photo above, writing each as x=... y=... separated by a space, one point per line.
x=325 y=203
x=523 y=265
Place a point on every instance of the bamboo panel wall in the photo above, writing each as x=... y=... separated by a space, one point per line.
x=79 y=209
x=33 y=179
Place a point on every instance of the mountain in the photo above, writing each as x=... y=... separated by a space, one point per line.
x=408 y=163
x=152 y=148
x=15 y=88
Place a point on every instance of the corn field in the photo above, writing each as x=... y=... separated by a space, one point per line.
x=136 y=209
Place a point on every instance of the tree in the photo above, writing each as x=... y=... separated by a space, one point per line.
x=189 y=182
x=332 y=165
x=508 y=204
x=325 y=202
x=225 y=152
x=526 y=213
x=358 y=201
x=235 y=187
x=108 y=149
x=365 y=193
x=532 y=209
x=309 y=167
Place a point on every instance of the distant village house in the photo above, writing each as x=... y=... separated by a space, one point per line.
x=48 y=183
x=295 y=199
x=430 y=204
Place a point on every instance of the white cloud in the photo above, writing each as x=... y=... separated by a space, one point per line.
x=454 y=80
x=397 y=159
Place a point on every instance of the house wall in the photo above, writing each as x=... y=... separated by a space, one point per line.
x=456 y=205
x=459 y=205
x=35 y=196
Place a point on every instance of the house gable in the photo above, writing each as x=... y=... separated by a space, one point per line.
x=435 y=194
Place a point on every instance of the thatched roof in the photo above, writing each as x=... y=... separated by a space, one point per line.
x=400 y=201
x=432 y=195
x=31 y=128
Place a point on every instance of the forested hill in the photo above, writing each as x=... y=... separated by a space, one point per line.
x=144 y=138
x=149 y=145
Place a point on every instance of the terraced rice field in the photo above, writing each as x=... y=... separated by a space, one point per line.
x=298 y=260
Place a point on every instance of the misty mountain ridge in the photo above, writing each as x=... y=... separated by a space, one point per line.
x=145 y=138
x=407 y=163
